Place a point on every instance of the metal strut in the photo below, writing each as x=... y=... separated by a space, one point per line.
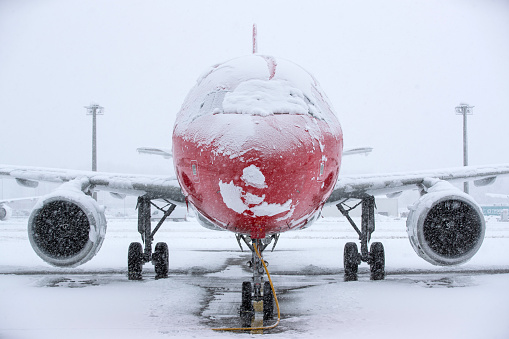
x=145 y=226
x=257 y=266
x=375 y=256
x=256 y=263
x=367 y=223
x=264 y=242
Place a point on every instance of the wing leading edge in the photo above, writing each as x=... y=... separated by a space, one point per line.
x=351 y=186
x=361 y=186
x=132 y=184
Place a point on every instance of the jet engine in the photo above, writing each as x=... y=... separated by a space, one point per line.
x=67 y=227
x=5 y=212
x=445 y=226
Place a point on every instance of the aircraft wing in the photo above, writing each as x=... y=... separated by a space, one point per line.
x=497 y=195
x=359 y=150
x=130 y=184
x=164 y=152
x=360 y=186
x=348 y=186
x=7 y=201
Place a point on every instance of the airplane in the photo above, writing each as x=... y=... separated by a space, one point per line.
x=6 y=209
x=257 y=151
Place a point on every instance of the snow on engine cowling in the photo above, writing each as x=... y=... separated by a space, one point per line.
x=445 y=226
x=67 y=227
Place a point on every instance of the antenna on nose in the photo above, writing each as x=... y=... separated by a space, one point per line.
x=255 y=42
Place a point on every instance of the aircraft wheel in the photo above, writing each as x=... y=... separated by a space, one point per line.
x=377 y=264
x=246 y=307
x=161 y=259
x=268 y=301
x=134 y=261
x=351 y=261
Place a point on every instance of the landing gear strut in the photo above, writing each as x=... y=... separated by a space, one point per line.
x=375 y=257
x=256 y=290
x=137 y=255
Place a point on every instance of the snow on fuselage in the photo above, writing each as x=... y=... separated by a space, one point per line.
x=257 y=147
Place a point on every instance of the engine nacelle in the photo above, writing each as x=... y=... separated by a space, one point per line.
x=67 y=227
x=445 y=226
x=5 y=212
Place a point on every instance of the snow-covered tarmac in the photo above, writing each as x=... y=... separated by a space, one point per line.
x=416 y=300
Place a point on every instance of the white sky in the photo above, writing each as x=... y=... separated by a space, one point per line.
x=394 y=71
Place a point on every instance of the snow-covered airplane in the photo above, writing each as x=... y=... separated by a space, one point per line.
x=6 y=209
x=257 y=151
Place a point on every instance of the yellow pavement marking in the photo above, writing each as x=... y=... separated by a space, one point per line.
x=258 y=317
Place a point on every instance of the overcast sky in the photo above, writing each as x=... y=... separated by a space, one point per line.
x=394 y=71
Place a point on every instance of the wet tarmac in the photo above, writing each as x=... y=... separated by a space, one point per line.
x=203 y=289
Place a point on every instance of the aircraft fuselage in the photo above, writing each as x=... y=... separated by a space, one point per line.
x=257 y=147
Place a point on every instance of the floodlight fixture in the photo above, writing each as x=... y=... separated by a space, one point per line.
x=95 y=109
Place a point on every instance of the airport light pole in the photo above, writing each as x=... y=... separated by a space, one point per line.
x=94 y=110
x=465 y=109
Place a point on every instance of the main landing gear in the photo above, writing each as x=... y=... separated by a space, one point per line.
x=257 y=296
x=137 y=255
x=376 y=256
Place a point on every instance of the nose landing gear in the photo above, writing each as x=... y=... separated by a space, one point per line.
x=258 y=297
x=257 y=292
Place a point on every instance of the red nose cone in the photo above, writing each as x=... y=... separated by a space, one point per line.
x=258 y=175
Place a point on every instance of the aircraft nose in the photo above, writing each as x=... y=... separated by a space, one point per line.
x=258 y=169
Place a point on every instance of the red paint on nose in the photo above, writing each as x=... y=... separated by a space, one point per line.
x=258 y=175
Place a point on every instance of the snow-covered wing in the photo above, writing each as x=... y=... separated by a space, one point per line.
x=359 y=186
x=131 y=184
x=7 y=201
x=496 y=195
x=165 y=153
x=358 y=150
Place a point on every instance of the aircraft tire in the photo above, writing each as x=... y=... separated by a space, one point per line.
x=377 y=264
x=351 y=261
x=246 y=307
x=134 y=261
x=268 y=301
x=161 y=259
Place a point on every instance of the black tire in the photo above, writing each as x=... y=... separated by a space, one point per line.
x=268 y=301
x=246 y=307
x=377 y=264
x=161 y=259
x=135 y=261
x=351 y=261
